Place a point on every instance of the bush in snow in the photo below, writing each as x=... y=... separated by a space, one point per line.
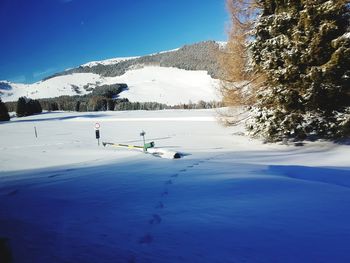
x=303 y=49
x=4 y=115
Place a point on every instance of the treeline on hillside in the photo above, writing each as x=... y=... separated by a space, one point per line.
x=83 y=104
x=200 y=56
x=103 y=98
x=99 y=103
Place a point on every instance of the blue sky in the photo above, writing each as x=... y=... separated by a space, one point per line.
x=41 y=37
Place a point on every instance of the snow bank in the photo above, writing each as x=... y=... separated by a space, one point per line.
x=164 y=153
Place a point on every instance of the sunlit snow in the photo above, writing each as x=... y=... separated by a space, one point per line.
x=63 y=198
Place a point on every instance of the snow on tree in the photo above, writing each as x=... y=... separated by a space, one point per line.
x=303 y=49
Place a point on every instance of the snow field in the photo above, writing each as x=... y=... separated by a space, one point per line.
x=230 y=199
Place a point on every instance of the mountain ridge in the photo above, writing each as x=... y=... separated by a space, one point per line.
x=198 y=56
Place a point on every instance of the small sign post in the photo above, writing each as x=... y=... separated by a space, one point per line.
x=97 y=132
x=142 y=134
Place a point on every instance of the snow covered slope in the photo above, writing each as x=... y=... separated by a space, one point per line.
x=229 y=199
x=54 y=87
x=162 y=77
x=165 y=85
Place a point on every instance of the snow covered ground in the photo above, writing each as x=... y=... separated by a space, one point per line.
x=168 y=85
x=229 y=199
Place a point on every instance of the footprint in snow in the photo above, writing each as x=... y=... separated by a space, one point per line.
x=175 y=175
x=183 y=170
x=165 y=193
x=156 y=219
x=146 y=239
x=169 y=182
x=132 y=259
x=160 y=205
x=14 y=192
x=54 y=175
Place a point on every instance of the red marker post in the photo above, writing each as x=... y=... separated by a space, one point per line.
x=97 y=132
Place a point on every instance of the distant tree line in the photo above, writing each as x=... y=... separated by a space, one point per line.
x=103 y=98
x=99 y=103
x=198 y=105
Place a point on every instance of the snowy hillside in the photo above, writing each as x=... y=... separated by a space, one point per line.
x=171 y=77
x=54 y=87
x=165 y=85
x=229 y=199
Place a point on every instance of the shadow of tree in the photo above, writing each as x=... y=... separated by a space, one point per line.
x=59 y=118
x=335 y=176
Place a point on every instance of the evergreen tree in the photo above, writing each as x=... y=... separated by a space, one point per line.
x=303 y=49
x=27 y=107
x=39 y=109
x=4 y=115
x=21 y=107
x=52 y=106
x=33 y=107
x=77 y=106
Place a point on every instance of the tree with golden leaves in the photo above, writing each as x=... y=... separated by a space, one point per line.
x=240 y=81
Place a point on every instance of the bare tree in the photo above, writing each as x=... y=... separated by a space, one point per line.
x=240 y=81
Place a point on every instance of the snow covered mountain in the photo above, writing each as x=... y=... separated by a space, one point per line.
x=186 y=74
